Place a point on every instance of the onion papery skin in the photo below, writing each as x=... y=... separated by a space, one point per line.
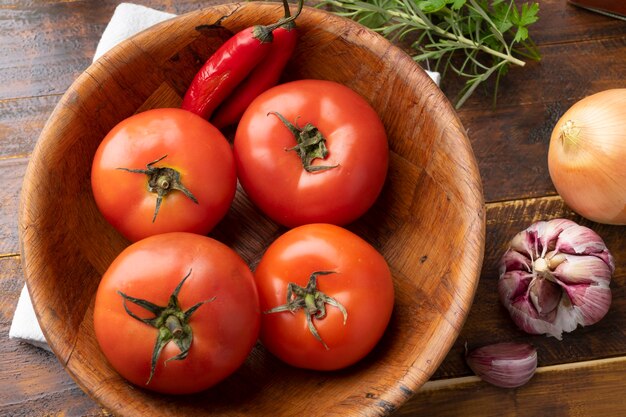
x=587 y=157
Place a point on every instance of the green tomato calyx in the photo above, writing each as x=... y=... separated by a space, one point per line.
x=312 y=301
x=162 y=180
x=310 y=144
x=171 y=322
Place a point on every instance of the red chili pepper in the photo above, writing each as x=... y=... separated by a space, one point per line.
x=229 y=66
x=265 y=75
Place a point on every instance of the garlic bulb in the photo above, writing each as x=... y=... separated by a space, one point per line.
x=554 y=276
x=506 y=365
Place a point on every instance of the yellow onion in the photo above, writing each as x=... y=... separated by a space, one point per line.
x=587 y=157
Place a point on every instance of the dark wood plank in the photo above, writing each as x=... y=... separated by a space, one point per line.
x=513 y=156
x=33 y=381
x=46 y=46
x=511 y=141
x=489 y=322
x=567 y=71
x=560 y=22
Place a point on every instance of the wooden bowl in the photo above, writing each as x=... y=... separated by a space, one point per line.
x=428 y=223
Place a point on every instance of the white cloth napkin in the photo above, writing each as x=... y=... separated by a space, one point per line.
x=128 y=19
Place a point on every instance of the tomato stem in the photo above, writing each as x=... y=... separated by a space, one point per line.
x=170 y=321
x=162 y=180
x=310 y=144
x=312 y=301
x=174 y=326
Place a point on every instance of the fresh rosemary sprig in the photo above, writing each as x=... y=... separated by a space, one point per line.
x=475 y=39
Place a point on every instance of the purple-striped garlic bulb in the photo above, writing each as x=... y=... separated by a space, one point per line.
x=554 y=276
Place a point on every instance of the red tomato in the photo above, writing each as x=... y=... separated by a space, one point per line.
x=350 y=275
x=224 y=327
x=150 y=141
x=273 y=175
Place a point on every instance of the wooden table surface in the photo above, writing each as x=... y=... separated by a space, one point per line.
x=46 y=44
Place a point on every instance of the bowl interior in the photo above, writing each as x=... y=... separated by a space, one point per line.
x=428 y=222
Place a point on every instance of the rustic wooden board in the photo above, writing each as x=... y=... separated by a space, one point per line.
x=562 y=74
x=581 y=51
x=489 y=322
x=594 y=388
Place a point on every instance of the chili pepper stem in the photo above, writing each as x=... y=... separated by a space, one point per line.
x=264 y=32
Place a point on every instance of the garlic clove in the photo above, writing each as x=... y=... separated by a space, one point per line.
x=583 y=270
x=506 y=365
x=567 y=319
x=545 y=295
x=514 y=284
x=513 y=260
x=523 y=243
x=591 y=302
x=549 y=232
x=553 y=324
x=527 y=318
x=584 y=241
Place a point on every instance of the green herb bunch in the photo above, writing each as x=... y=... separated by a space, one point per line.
x=475 y=39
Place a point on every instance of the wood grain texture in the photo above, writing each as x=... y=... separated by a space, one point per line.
x=562 y=23
x=511 y=141
x=583 y=389
x=572 y=64
x=582 y=53
x=65 y=38
x=432 y=208
x=21 y=121
x=12 y=172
